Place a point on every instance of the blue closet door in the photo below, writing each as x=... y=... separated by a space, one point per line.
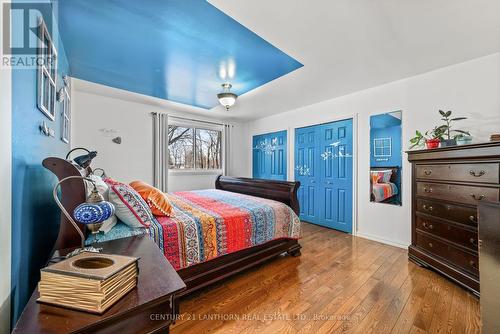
x=269 y=156
x=306 y=171
x=325 y=194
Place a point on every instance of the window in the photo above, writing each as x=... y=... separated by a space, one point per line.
x=47 y=72
x=382 y=147
x=192 y=148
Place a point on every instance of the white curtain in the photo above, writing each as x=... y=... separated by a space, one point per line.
x=160 y=151
x=227 y=137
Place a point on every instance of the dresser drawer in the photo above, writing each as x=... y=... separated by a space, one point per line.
x=451 y=232
x=457 y=193
x=480 y=172
x=457 y=213
x=453 y=255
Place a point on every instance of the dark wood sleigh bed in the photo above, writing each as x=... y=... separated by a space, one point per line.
x=205 y=273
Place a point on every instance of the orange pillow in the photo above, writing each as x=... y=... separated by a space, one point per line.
x=154 y=197
x=375 y=177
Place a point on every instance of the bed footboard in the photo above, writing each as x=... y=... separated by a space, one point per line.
x=281 y=191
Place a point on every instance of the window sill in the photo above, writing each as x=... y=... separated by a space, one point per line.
x=194 y=172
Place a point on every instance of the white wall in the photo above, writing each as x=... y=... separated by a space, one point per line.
x=131 y=117
x=470 y=89
x=5 y=184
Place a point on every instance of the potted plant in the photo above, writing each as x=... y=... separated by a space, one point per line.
x=431 y=138
x=447 y=130
x=463 y=139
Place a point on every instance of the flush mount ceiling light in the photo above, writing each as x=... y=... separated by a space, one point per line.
x=226 y=98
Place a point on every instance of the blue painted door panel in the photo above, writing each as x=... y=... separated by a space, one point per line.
x=269 y=156
x=306 y=172
x=323 y=165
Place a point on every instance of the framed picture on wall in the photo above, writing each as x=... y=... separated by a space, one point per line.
x=65 y=93
x=46 y=72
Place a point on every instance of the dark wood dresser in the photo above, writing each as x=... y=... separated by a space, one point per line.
x=489 y=264
x=447 y=185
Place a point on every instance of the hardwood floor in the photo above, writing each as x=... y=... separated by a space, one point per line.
x=340 y=283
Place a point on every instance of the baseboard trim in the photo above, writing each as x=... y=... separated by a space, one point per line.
x=382 y=240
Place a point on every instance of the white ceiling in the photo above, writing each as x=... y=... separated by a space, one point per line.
x=351 y=45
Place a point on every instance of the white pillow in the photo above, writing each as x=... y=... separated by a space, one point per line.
x=108 y=224
x=102 y=187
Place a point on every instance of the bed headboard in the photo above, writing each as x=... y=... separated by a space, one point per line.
x=72 y=194
x=281 y=191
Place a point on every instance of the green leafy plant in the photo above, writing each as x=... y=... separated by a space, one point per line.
x=447 y=129
x=420 y=137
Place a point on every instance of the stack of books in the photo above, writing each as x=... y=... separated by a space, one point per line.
x=88 y=282
x=495 y=137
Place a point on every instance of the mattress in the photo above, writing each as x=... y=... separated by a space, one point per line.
x=210 y=223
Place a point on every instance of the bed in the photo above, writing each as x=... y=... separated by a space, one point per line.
x=384 y=192
x=258 y=218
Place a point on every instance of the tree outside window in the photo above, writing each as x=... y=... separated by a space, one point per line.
x=194 y=148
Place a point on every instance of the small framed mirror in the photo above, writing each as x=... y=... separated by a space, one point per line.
x=386 y=158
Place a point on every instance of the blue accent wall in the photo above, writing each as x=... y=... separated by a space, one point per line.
x=393 y=132
x=178 y=50
x=35 y=217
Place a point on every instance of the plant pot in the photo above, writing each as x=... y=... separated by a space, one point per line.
x=448 y=142
x=464 y=140
x=432 y=143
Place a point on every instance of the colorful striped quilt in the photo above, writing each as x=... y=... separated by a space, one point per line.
x=382 y=191
x=209 y=223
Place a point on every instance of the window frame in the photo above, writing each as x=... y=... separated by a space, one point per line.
x=382 y=147
x=200 y=126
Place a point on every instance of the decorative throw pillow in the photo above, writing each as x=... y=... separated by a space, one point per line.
x=154 y=197
x=102 y=187
x=108 y=224
x=130 y=208
x=386 y=176
x=375 y=177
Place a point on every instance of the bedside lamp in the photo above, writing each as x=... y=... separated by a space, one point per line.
x=92 y=213
x=83 y=160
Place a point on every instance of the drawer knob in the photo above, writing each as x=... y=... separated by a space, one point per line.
x=473 y=264
x=427 y=208
x=473 y=241
x=473 y=219
x=428 y=226
x=477 y=174
x=431 y=245
x=427 y=172
x=428 y=190
x=477 y=197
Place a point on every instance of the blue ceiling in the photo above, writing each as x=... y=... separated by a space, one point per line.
x=178 y=50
